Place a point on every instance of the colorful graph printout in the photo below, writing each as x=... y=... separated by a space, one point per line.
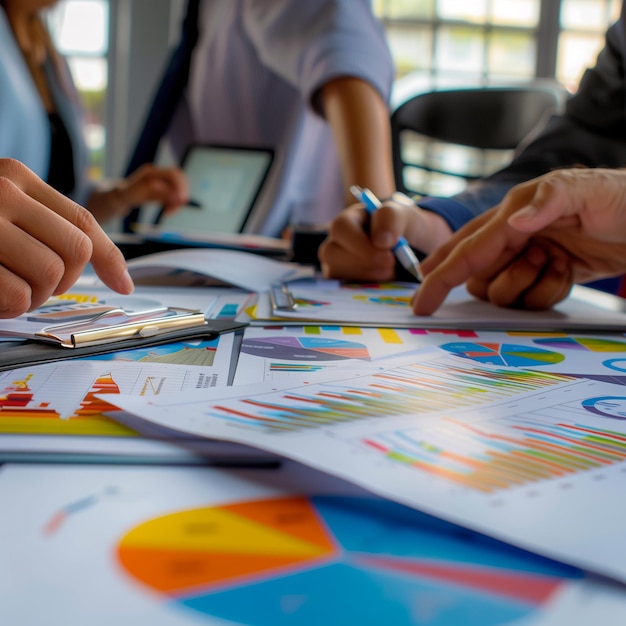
x=618 y=365
x=242 y=562
x=573 y=354
x=587 y=344
x=395 y=301
x=203 y=547
x=201 y=353
x=61 y=398
x=448 y=435
x=504 y=354
x=375 y=307
x=304 y=348
x=493 y=459
x=277 y=353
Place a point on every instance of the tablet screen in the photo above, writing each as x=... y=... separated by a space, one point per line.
x=224 y=183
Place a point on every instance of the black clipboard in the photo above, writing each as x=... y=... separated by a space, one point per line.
x=33 y=352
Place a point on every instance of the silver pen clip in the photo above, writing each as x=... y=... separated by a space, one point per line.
x=281 y=298
x=106 y=328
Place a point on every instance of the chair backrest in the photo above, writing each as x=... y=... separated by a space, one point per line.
x=443 y=139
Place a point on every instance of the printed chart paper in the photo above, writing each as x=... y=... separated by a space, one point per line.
x=532 y=457
x=388 y=304
x=53 y=407
x=280 y=353
x=192 y=547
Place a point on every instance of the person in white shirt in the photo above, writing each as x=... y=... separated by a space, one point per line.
x=310 y=79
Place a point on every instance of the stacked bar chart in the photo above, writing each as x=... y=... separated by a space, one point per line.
x=490 y=460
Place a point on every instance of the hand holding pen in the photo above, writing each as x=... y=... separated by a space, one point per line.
x=401 y=249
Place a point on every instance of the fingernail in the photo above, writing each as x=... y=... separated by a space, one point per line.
x=126 y=283
x=525 y=213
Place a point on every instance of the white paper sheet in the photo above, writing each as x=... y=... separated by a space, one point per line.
x=51 y=409
x=184 y=547
x=389 y=305
x=240 y=269
x=535 y=458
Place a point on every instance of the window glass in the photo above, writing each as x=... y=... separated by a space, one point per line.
x=511 y=54
x=475 y=11
x=399 y=9
x=516 y=13
x=583 y=25
x=577 y=52
x=81 y=27
x=460 y=50
x=588 y=14
x=439 y=43
x=80 y=30
x=411 y=48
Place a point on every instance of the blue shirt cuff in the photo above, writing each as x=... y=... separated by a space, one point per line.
x=455 y=213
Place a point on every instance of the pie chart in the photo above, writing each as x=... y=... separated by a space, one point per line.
x=504 y=353
x=304 y=348
x=586 y=344
x=332 y=560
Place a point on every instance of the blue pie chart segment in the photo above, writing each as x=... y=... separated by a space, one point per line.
x=508 y=354
x=345 y=594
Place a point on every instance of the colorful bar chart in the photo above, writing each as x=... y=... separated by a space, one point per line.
x=415 y=389
x=23 y=412
x=492 y=459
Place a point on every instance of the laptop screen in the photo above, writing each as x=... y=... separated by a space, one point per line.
x=224 y=183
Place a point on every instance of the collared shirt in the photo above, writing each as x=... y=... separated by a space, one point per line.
x=255 y=77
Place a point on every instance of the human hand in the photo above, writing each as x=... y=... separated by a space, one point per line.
x=165 y=185
x=359 y=245
x=47 y=240
x=566 y=227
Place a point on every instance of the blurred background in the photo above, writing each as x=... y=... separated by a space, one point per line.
x=117 y=49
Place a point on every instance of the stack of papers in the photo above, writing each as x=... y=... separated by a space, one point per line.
x=214 y=267
x=389 y=304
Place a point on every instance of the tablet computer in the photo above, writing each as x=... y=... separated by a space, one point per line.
x=224 y=184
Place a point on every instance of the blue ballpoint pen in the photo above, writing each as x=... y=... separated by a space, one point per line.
x=402 y=250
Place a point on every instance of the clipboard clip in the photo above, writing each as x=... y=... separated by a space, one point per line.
x=106 y=328
x=281 y=298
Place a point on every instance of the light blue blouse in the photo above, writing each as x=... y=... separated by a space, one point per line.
x=24 y=124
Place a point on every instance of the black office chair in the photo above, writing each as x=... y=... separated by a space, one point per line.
x=443 y=139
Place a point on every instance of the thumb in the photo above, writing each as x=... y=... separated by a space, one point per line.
x=550 y=203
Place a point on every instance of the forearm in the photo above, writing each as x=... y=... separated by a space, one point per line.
x=106 y=204
x=359 y=119
x=165 y=186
